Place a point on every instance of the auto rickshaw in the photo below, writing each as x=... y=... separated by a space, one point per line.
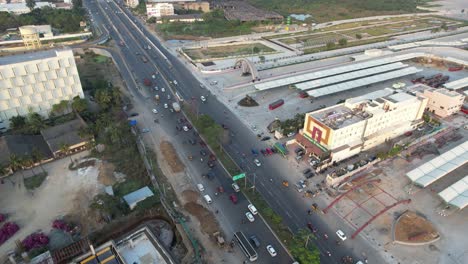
x=285 y=183
x=190 y=157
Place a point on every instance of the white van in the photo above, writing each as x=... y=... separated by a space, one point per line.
x=200 y=187
x=252 y=209
x=207 y=199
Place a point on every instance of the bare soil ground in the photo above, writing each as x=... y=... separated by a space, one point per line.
x=206 y=218
x=170 y=155
x=413 y=228
x=106 y=173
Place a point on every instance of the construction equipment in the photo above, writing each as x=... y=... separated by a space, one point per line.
x=219 y=238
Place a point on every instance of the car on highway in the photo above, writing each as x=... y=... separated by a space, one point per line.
x=175 y=82
x=250 y=216
x=257 y=162
x=341 y=235
x=254 y=241
x=252 y=209
x=163 y=89
x=144 y=130
x=185 y=128
x=233 y=198
x=306 y=171
x=154 y=111
x=166 y=106
x=235 y=187
x=200 y=187
x=202 y=98
x=207 y=199
x=168 y=97
x=266 y=138
x=153 y=76
x=271 y=250
x=133 y=114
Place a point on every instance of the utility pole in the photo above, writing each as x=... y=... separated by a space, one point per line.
x=255 y=176
x=307 y=241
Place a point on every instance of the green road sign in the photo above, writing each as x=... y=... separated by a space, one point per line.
x=239 y=176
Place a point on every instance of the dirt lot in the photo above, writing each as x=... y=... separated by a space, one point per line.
x=413 y=228
x=63 y=192
x=170 y=155
x=206 y=218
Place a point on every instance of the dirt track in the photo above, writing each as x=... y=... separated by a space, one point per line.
x=170 y=155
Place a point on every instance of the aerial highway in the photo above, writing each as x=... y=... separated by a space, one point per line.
x=268 y=177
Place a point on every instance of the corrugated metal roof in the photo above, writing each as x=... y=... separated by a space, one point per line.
x=456 y=194
x=137 y=196
x=458 y=84
x=362 y=82
x=349 y=76
x=440 y=166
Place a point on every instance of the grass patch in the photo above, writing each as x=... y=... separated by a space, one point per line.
x=100 y=59
x=35 y=181
x=213 y=26
x=130 y=185
x=350 y=44
x=239 y=50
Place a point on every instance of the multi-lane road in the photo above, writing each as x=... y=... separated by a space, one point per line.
x=284 y=201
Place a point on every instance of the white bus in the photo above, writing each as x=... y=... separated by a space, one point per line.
x=246 y=247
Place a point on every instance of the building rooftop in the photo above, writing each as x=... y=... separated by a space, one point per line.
x=139 y=195
x=66 y=133
x=143 y=248
x=338 y=116
x=38 y=55
x=22 y=145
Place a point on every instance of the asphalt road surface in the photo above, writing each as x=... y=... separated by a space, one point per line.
x=108 y=17
x=284 y=201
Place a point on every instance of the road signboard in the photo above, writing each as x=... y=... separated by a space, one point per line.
x=238 y=177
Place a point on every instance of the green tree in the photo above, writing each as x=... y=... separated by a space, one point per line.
x=3 y=170
x=444 y=26
x=17 y=122
x=330 y=45
x=61 y=108
x=79 y=105
x=255 y=50
x=343 y=42
x=77 y=4
x=31 y=4
x=16 y=164
x=103 y=98
x=151 y=20
x=262 y=58
x=35 y=123
x=302 y=248
x=37 y=157
x=64 y=149
x=358 y=36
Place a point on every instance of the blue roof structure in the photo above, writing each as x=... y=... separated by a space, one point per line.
x=137 y=196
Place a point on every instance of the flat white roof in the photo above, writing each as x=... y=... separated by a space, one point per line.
x=457 y=84
x=349 y=76
x=456 y=194
x=362 y=82
x=440 y=166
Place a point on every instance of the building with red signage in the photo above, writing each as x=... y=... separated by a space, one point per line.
x=341 y=131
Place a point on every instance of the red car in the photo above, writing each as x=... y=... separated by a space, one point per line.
x=212 y=157
x=268 y=150
x=303 y=94
x=233 y=198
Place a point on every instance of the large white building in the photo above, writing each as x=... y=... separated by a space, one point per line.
x=159 y=9
x=19 y=8
x=361 y=123
x=36 y=81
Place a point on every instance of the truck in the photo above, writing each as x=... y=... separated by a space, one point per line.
x=176 y=106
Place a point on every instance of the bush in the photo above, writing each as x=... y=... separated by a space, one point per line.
x=35 y=181
x=35 y=240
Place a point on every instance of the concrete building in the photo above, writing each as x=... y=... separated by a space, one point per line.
x=132 y=3
x=200 y=6
x=361 y=123
x=159 y=9
x=35 y=82
x=21 y=8
x=443 y=102
x=31 y=35
x=12 y=1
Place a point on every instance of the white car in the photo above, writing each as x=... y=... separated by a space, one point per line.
x=200 y=187
x=166 y=106
x=185 y=128
x=252 y=209
x=168 y=97
x=153 y=76
x=202 y=98
x=271 y=250
x=175 y=82
x=257 y=162
x=163 y=89
x=156 y=88
x=235 y=187
x=341 y=235
x=250 y=216
x=155 y=111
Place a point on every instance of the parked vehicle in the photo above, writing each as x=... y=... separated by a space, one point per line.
x=235 y=187
x=255 y=241
x=271 y=250
x=200 y=187
x=233 y=198
x=250 y=216
x=207 y=199
x=176 y=106
x=276 y=104
x=252 y=209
